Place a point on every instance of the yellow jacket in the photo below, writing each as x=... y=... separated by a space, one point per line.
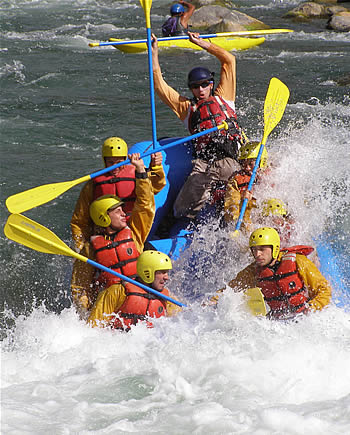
x=233 y=205
x=320 y=291
x=111 y=299
x=140 y=223
x=226 y=88
x=81 y=224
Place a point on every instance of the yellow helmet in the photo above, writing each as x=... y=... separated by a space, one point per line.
x=151 y=261
x=114 y=147
x=266 y=236
x=274 y=207
x=100 y=207
x=251 y=151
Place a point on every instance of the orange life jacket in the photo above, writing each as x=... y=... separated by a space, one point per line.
x=282 y=286
x=118 y=252
x=205 y=114
x=121 y=185
x=139 y=305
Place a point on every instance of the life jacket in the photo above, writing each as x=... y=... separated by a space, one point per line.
x=173 y=27
x=209 y=113
x=139 y=305
x=282 y=286
x=122 y=185
x=242 y=179
x=118 y=252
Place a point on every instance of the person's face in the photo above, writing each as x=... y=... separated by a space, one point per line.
x=160 y=279
x=262 y=255
x=110 y=161
x=118 y=218
x=202 y=91
x=248 y=165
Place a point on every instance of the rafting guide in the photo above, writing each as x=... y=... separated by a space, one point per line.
x=215 y=154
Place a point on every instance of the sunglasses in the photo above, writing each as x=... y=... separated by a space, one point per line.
x=200 y=85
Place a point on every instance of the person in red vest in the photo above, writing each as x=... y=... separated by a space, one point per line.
x=289 y=281
x=236 y=189
x=214 y=154
x=119 y=182
x=116 y=243
x=136 y=304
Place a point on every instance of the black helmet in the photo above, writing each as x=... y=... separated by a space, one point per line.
x=198 y=75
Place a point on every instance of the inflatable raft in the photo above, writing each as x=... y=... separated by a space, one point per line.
x=226 y=42
x=177 y=165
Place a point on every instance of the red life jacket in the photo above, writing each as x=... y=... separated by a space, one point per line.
x=122 y=185
x=118 y=253
x=205 y=114
x=242 y=180
x=139 y=305
x=282 y=286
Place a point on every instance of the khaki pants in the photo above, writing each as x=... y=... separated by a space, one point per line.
x=196 y=190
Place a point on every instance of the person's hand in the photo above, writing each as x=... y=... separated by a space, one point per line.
x=196 y=39
x=136 y=161
x=156 y=159
x=154 y=44
x=247 y=195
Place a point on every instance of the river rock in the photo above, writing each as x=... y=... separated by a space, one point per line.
x=307 y=10
x=214 y=19
x=339 y=22
x=343 y=81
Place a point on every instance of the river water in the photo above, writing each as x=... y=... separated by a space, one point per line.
x=204 y=371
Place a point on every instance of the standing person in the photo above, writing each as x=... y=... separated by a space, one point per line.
x=177 y=23
x=117 y=243
x=290 y=282
x=215 y=153
x=120 y=182
x=237 y=185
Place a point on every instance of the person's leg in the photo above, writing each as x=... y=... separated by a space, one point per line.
x=194 y=193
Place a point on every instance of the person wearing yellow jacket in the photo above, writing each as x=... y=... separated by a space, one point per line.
x=289 y=281
x=114 y=150
x=131 y=303
x=236 y=190
x=110 y=220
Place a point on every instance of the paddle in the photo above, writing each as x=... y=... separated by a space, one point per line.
x=207 y=36
x=23 y=201
x=275 y=104
x=255 y=301
x=146 y=5
x=29 y=233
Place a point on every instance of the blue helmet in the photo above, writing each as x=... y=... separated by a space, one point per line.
x=198 y=75
x=177 y=9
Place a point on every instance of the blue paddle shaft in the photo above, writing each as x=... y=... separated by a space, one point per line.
x=132 y=281
x=250 y=185
x=151 y=86
x=148 y=153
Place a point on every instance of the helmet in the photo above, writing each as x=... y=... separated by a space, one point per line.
x=266 y=236
x=114 y=147
x=251 y=151
x=198 y=75
x=151 y=261
x=274 y=207
x=100 y=207
x=177 y=9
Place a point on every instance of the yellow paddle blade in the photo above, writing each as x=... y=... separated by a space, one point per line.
x=275 y=103
x=256 y=301
x=31 y=198
x=146 y=5
x=23 y=230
